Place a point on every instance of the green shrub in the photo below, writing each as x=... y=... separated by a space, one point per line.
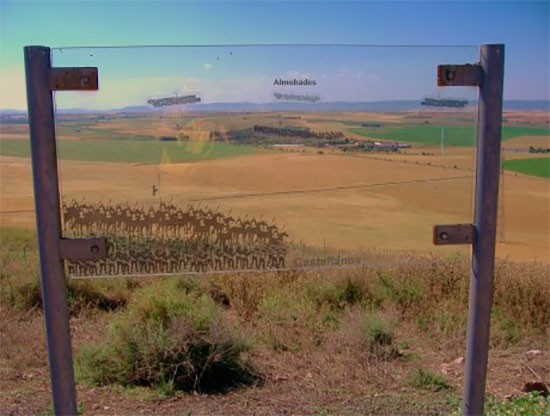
x=531 y=404
x=428 y=380
x=242 y=292
x=378 y=337
x=400 y=289
x=170 y=340
x=23 y=295
x=504 y=331
x=337 y=293
x=288 y=320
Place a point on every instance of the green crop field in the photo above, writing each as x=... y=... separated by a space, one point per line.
x=431 y=134
x=535 y=167
x=133 y=151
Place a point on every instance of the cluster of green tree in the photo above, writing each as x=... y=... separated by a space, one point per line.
x=539 y=149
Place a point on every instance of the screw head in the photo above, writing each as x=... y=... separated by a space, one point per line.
x=444 y=235
x=94 y=249
x=450 y=75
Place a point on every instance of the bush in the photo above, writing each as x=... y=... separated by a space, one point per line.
x=171 y=340
x=402 y=288
x=378 y=336
x=337 y=293
x=242 y=292
x=427 y=380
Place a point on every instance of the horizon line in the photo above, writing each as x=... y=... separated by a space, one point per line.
x=271 y=103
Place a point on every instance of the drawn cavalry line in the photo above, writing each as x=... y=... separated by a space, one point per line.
x=169 y=239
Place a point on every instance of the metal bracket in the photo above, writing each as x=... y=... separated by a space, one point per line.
x=74 y=79
x=467 y=75
x=83 y=248
x=453 y=234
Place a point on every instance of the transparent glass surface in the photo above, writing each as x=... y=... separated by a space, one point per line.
x=256 y=158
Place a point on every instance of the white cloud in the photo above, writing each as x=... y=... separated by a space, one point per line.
x=373 y=77
x=353 y=75
x=207 y=66
x=298 y=74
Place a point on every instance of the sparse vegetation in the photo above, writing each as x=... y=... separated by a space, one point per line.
x=205 y=333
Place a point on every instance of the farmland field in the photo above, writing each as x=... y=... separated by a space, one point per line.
x=532 y=166
x=453 y=135
x=133 y=151
x=328 y=198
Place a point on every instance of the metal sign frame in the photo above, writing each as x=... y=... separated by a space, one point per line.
x=42 y=79
x=488 y=75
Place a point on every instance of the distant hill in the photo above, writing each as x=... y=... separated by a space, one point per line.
x=12 y=112
x=396 y=105
x=526 y=105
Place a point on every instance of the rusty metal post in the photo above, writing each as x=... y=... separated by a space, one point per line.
x=485 y=218
x=48 y=224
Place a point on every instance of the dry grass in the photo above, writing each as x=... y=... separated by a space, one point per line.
x=342 y=341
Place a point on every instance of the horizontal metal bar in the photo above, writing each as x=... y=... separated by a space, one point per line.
x=83 y=248
x=256 y=45
x=74 y=79
x=467 y=75
x=453 y=234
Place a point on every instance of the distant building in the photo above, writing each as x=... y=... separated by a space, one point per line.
x=289 y=145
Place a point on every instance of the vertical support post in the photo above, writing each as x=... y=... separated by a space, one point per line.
x=485 y=218
x=48 y=224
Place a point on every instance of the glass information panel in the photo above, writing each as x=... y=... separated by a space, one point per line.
x=253 y=158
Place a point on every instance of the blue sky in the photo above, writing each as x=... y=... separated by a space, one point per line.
x=523 y=26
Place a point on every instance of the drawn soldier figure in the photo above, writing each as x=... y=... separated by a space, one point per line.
x=167 y=239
